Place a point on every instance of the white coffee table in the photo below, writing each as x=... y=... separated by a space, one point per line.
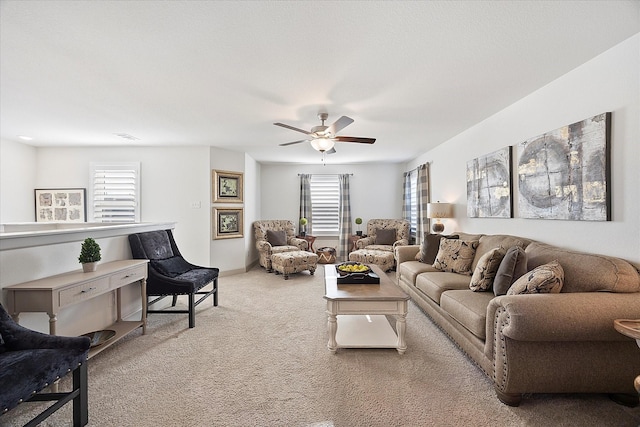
x=360 y=312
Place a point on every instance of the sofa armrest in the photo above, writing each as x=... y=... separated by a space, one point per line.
x=263 y=246
x=406 y=253
x=364 y=242
x=302 y=244
x=401 y=242
x=578 y=316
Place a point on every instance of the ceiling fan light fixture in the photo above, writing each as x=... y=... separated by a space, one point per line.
x=322 y=144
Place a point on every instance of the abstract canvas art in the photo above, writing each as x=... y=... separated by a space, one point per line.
x=489 y=185
x=565 y=173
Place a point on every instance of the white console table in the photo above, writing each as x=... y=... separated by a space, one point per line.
x=50 y=294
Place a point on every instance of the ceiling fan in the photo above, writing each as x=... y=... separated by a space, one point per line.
x=323 y=138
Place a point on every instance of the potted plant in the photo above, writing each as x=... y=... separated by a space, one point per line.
x=89 y=255
x=358 y=223
x=303 y=224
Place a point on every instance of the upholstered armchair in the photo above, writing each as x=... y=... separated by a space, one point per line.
x=30 y=361
x=171 y=275
x=272 y=229
x=381 y=237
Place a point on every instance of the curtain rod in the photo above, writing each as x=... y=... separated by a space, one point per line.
x=325 y=174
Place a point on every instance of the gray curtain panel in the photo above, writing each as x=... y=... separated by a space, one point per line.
x=305 y=200
x=345 y=218
x=422 y=192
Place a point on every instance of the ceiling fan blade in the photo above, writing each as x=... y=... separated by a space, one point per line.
x=293 y=128
x=355 y=139
x=339 y=124
x=291 y=143
x=333 y=150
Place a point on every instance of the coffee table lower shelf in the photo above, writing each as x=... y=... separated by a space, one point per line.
x=365 y=331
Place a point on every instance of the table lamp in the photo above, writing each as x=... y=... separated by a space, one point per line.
x=438 y=211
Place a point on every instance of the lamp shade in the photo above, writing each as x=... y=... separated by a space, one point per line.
x=322 y=144
x=439 y=210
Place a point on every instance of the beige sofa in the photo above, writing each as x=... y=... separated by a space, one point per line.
x=537 y=343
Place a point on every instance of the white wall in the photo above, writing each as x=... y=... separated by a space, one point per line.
x=376 y=191
x=609 y=82
x=172 y=178
x=17 y=182
x=232 y=253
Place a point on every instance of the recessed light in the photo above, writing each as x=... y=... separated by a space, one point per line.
x=25 y=138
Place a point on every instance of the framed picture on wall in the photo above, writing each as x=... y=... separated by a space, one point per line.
x=229 y=223
x=227 y=187
x=61 y=205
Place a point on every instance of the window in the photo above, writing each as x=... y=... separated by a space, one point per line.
x=114 y=192
x=325 y=205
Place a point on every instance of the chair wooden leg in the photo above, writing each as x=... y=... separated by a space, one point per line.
x=192 y=310
x=215 y=294
x=174 y=301
x=81 y=402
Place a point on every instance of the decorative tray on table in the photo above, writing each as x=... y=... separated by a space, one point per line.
x=355 y=273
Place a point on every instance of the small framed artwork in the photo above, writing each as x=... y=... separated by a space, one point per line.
x=227 y=187
x=229 y=223
x=61 y=205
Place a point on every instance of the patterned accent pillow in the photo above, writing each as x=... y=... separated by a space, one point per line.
x=456 y=255
x=512 y=267
x=429 y=247
x=547 y=278
x=486 y=270
x=277 y=238
x=385 y=237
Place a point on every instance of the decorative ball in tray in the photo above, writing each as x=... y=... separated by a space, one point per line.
x=352 y=267
x=356 y=273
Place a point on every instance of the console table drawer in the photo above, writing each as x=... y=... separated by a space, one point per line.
x=369 y=307
x=84 y=292
x=128 y=276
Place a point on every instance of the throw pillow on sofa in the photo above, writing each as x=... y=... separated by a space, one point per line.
x=456 y=255
x=385 y=237
x=277 y=238
x=547 y=278
x=512 y=267
x=430 y=246
x=486 y=270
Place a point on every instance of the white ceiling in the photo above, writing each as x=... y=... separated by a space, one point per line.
x=411 y=74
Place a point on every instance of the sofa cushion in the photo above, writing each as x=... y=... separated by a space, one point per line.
x=485 y=271
x=277 y=238
x=585 y=272
x=547 y=278
x=385 y=236
x=512 y=267
x=456 y=255
x=430 y=246
x=468 y=308
x=171 y=267
x=433 y=284
x=488 y=242
x=409 y=270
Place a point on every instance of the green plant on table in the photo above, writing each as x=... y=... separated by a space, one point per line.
x=90 y=251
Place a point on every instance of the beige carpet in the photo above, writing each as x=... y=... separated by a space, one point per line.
x=260 y=359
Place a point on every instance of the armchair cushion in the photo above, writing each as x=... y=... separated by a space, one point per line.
x=277 y=238
x=171 y=267
x=156 y=244
x=385 y=237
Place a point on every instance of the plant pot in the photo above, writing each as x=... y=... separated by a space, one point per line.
x=88 y=267
x=358 y=233
x=303 y=233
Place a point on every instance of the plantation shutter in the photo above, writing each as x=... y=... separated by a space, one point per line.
x=325 y=204
x=115 y=192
